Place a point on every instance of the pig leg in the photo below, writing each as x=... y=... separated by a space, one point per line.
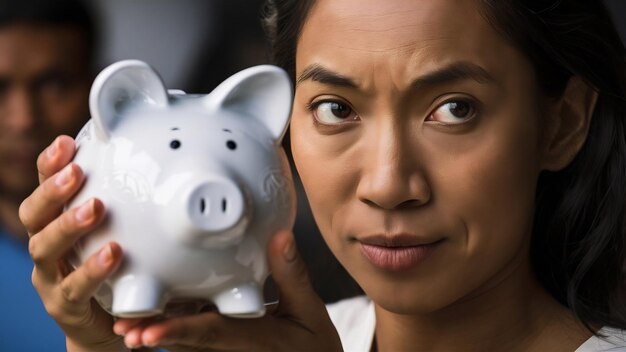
x=137 y=296
x=242 y=301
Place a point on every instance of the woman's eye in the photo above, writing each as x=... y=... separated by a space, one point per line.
x=454 y=112
x=333 y=112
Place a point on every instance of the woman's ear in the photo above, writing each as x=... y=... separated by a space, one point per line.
x=567 y=121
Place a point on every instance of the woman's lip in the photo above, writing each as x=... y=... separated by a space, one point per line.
x=399 y=240
x=398 y=258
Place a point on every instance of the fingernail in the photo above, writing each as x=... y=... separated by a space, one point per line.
x=85 y=212
x=129 y=344
x=64 y=177
x=52 y=149
x=290 y=249
x=105 y=257
x=118 y=331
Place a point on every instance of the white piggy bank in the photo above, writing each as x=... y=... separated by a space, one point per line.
x=194 y=186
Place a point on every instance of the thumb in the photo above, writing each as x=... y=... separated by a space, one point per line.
x=296 y=294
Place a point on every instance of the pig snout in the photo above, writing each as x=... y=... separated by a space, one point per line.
x=216 y=206
x=209 y=211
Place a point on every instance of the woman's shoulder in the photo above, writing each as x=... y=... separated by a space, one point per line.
x=613 y=340
x=355 y=321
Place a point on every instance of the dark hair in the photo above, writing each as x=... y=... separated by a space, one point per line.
x=579 y=243
x=73 y=13
x=578 y=248
x=283 y=21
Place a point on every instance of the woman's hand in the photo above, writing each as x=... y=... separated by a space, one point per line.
x=299 y=322
x=67 y=293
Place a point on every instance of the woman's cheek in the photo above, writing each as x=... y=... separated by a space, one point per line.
x=489 y=184
x=324 y=164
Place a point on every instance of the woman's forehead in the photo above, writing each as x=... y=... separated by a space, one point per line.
x=400 y=38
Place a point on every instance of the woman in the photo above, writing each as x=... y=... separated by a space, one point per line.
x=465 y=162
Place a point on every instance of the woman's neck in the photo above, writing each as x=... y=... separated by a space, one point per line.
x=514 y=314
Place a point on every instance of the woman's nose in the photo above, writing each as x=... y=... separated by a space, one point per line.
x=19 y=111
x=392 y=177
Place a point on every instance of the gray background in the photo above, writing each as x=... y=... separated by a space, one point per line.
x=173 y=35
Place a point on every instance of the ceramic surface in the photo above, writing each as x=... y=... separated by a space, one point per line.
x=194 y=186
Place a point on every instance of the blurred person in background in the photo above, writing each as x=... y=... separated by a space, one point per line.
x=47 y=50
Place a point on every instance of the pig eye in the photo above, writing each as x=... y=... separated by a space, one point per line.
x=231 y=145
x=175 y=144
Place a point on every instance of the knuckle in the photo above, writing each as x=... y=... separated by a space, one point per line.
x=24 y=213
x=42 y=162
x=34 y=279
x=66 y=315
x=68 y=292
x=34 y=250
x=54 y=310
x=58 y=311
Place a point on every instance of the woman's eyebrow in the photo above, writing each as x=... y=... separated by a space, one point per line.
x=319 y=73
x=456 y=71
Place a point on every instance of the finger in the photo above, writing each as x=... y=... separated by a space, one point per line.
x=56 y=239
x=132 y=338
x=122 y=326
x=131 y=329
x=58 y=154
x=173 y=309
x=206 y=331
x=82 y=283
x=47 y=201
x=296 y=295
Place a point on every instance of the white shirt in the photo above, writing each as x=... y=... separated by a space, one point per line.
x=355 y=321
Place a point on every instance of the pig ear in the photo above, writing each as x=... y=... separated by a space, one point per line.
x=260 y=92
x=124 y=84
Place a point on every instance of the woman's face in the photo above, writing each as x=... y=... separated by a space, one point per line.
x=415 y=132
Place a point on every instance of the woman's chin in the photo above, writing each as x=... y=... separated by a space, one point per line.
x=407 y=300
